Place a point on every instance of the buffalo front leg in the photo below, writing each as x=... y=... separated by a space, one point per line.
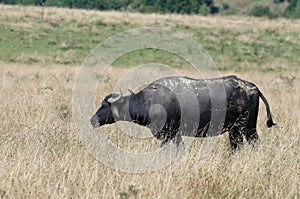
x=164 y=142
x=177 y=139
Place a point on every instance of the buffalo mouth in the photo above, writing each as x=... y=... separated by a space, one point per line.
x=96 y=125
x=95 y=122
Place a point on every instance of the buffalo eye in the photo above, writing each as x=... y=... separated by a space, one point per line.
x=105 y=103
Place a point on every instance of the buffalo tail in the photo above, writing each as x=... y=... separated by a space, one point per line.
x=270 y=122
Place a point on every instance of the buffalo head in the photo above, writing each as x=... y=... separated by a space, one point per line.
x=113 y=108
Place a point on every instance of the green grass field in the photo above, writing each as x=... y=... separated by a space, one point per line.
x=29 y=39
x=41 y=155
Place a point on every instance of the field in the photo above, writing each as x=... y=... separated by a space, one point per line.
x=42 y=156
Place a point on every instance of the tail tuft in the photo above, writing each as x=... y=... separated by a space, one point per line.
x=270 y=123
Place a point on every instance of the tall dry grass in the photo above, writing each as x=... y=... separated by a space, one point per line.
x=13 y=14
x=42 y=157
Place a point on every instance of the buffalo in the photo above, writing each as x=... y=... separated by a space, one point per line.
x=177 y=106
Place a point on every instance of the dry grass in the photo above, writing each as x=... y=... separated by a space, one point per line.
x=88 y=16
x=41 y=155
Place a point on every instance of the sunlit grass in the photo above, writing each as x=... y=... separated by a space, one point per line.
x=42 y=156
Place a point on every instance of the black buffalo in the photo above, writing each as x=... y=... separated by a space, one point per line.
x=175 y=106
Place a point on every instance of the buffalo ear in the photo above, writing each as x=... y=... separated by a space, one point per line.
x=131 y=92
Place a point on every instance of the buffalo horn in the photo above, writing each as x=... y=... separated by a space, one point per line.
x=131 y=92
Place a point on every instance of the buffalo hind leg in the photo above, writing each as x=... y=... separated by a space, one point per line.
x=235 y=138
x=250 y=132
x=237 y=131
x=252 y=136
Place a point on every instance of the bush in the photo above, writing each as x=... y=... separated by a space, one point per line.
x=225 y=6
x=293 y=10
x=232 y=11
x=260 y=11
x=204 y=10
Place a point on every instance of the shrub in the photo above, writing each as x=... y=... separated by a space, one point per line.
x=293 y=10
x=260 y=11
x=225 y=6
x=204 y=10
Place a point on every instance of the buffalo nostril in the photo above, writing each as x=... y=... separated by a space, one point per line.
x=94 y=121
